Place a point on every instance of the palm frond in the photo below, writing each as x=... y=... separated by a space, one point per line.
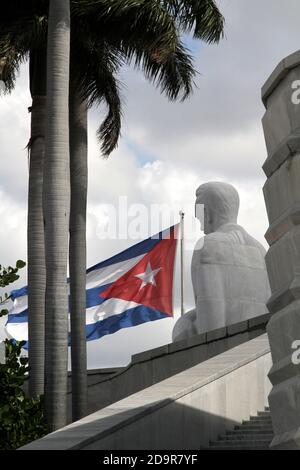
x=108 y=33
x=97 y=82
x=110 y=130
x=173 y=74
x=129 y=32
x=147 y=19
x=20 y=31
x=10 y=62
x=202 y=17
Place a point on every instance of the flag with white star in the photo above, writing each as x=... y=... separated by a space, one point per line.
x=131 y=288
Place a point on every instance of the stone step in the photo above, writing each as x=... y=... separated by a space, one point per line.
x=254 y=427
x=261 y=418
x=253 y=434
x=264 y=413
x=256 y=423
x=250 y=431
x=257 y=447
x=238 y=444
x=242 y=436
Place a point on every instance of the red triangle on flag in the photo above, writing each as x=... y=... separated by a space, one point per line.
x=150 y=281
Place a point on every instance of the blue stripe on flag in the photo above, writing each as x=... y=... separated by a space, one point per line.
x=131 y=317
x=19 y=292
x=21 y=317
x=93 y=296
x=92 y=300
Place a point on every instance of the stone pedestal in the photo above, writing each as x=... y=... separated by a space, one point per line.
x=281 y=124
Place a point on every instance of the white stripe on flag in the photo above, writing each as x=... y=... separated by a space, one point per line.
x=108 y=274
x=109 y=308
x=18 y=331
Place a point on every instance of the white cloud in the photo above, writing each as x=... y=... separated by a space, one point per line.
x=13 y=230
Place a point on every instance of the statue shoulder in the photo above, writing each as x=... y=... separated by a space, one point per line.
x=235 y=247
x=248 y=240
x=216 y=248
x=214 y=239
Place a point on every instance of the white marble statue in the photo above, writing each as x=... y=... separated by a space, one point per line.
x=229 y=274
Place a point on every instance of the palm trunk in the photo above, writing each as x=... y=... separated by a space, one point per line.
x=35 y=229
x=77 y=257
x=56 y=206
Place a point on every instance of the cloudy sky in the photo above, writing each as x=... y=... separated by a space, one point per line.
x=167 y=150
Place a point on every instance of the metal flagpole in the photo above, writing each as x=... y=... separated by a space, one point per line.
x=182 y=214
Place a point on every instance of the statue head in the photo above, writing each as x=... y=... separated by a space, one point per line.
x=221 y=205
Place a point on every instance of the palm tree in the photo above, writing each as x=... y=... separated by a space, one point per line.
x=56 y=210
x=77 y=250
x=35 y=231
x=158 y=52
x=23 y=30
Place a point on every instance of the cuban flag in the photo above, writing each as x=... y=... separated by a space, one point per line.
x=131 y=288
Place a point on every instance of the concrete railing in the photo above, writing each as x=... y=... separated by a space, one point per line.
x=153 y=366
x=185 y=411
x=94 y=376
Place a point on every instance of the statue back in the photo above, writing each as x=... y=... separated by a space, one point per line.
x=229 y=278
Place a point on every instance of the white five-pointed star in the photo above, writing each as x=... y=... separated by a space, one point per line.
x=148 y=277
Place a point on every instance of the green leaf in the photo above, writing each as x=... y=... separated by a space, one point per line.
x=20 y=264
x=21 y=418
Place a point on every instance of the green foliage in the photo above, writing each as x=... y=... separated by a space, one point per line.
x=21 y=418
x=8 y=276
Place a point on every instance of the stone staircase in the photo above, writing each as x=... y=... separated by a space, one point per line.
x=254 y=434
x=165 y=415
